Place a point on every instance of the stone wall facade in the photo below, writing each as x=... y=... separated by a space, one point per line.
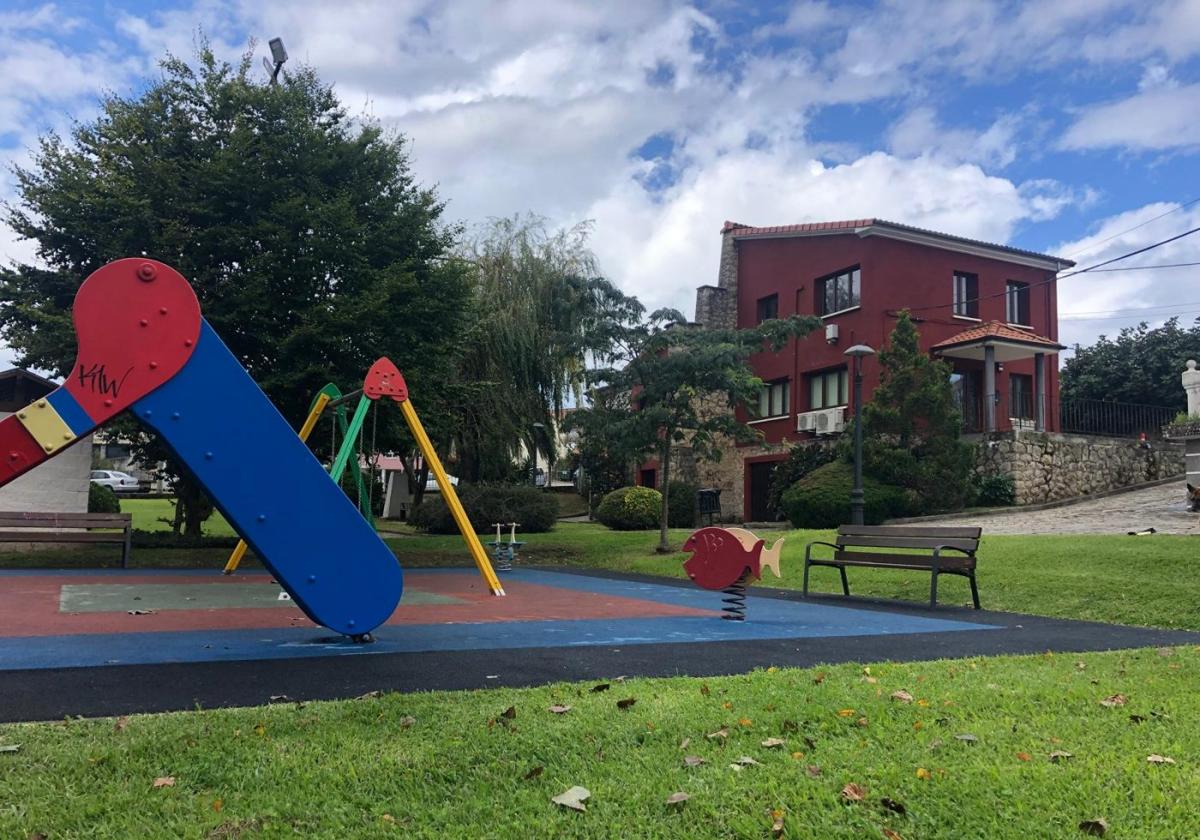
x=59 y=485
x=1046 y=467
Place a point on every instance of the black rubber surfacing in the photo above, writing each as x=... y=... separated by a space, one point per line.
x=51 y=694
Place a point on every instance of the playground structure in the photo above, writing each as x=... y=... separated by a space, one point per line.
x=727 y=559
x=175 y=378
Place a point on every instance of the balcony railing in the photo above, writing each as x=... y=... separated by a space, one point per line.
x=1076 y=417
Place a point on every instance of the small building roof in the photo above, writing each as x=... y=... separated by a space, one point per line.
x=895 y=230
x=1010 y=343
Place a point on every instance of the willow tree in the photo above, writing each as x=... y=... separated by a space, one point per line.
x=309 y=243
x=540 y=311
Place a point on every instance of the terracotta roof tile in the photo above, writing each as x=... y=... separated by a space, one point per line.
x=996 y=330
x=749 y=231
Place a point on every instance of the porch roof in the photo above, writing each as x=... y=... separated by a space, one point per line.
x=1010 y=343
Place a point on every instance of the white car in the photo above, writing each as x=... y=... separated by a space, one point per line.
x=120 y=482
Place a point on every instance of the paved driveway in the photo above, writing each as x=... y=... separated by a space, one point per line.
x=1162 y=508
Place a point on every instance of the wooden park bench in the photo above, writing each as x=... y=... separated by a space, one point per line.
x=912 y=547
x=69 y=528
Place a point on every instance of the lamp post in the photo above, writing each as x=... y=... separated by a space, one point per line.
x=278 y=56
x=857 y=352
x=533 y=440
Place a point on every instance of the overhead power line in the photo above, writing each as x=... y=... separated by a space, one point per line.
x=1094 y=245
x=1147 y=267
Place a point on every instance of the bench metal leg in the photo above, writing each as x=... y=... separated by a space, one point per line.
x=807 y=566
x=126 y=548
x=845 y=583
x=974 y=591
x=933 y=589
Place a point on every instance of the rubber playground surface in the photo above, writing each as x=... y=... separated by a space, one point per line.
x=101 y=642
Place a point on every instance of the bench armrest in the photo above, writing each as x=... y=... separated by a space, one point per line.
x=808 y=548
x=937 y=551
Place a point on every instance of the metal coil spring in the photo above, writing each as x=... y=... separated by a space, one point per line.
x=736 y=602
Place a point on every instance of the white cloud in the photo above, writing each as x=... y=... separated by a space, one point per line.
x=1103 y=302
x=1154 y=119
x=919 y=133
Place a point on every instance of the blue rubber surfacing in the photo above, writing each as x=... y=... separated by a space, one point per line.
x=768 y=618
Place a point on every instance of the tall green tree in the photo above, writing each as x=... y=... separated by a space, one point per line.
x=1141 y=365
x=912 y=426
x=309 y=243
x=685 y=384
x=540 y=312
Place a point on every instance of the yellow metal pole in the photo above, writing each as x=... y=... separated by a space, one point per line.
x=451 y=497
x=310 y=422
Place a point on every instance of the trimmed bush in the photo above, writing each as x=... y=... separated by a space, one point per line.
x=534 y=510
x=630 y=509
x=681 y=505
x=822 y=498
x=102 y=499
x=995 y=491
x=803 y=459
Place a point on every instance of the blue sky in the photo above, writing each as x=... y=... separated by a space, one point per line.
x=1062 y=127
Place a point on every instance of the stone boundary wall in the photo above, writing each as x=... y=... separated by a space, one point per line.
x=1046 y=467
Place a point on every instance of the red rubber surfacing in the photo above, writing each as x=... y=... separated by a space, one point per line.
x=136 y=321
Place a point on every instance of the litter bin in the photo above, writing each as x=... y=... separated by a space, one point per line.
x=708 y=502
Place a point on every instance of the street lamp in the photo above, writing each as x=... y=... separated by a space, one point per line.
x=857 y=352
x=278 y=56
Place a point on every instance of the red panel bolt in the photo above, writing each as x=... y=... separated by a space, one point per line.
x=146 y=272
x=108 y=402
x=187 y=343
x=153 y=365
x=162 y=310
x=144 y=322
x=13 y=456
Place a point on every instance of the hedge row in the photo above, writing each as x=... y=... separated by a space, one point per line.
x=534 y=509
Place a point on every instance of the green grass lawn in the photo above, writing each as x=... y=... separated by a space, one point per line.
x=156 y=515
x=968 y=757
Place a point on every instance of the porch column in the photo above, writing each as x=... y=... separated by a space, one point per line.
x=1039 y=391
x=989 y=388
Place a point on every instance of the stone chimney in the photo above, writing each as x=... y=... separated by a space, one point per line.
x=716 y=306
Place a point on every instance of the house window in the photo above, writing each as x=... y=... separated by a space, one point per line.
x=1020 y=395
x=828 y=389
x=768 y=308
x=1016 y=298
x=966 y=294
x=838 y=291
x=773 y=399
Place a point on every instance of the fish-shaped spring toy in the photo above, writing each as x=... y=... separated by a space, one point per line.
x=719 y=560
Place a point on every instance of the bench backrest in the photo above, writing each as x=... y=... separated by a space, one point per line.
x=64 y=520
x=909 y=536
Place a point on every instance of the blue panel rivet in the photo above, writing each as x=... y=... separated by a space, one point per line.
x=262 y=517
x=350 y=623
x=174 y=415
x=312 y=578
x=148 y=413
x=208 y=456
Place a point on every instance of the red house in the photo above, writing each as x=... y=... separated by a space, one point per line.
x=989 y=310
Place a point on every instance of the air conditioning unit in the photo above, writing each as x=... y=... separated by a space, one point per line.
x=831 y=333
x=831 y=421
x=807 y=422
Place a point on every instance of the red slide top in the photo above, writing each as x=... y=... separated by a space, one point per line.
x=384 y=380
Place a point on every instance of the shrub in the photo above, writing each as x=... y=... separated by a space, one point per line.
x=681 y=505
x=534 y=510
x=802 y=460
x=995 y=491
x=822 y=498
x=630 y=509
x=102 y=499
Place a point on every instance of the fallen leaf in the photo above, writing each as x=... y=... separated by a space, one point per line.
x=1059 y=756
x=790 y=726
x=406 y=721
x=918 y=725
x=923 y=774
x=1160 y=759
x=773 y=669
x=279 y=698
x=862 y=721
x=854 y=792
x=891 y=835
x=819 y=678
x=141 y=612
x=727 y=705
x=1114 y=700
x=573 y=798
x=770 y=743
x=601 y=687
x=704 y=689
x=923 y=703
x=1166 y=651
x=693 y=761
x=1024 y=756
x=559 y=710
x=677 y=798
x=10 y=748
x=966 y=738
x=388 y=818
x=902 y=696
x=893 y=806
x=683 y=745
x=626 y=703
x=509 y=713
x=260 y=730
x=776 y=824
x=745 y=722
x=164 y=781
x=120 y=723
x=1095 y=827
x=812 y=771
x=370 y=695
x=799 y=756
x=533 y=773
x=721 y=733
x=846 y=713
x=217 y=805
x=1137 y=718
x=747 y=761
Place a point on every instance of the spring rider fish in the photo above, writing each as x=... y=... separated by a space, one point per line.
x=725 y=559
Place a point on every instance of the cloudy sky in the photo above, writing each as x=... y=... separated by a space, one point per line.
x=1068 y=127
